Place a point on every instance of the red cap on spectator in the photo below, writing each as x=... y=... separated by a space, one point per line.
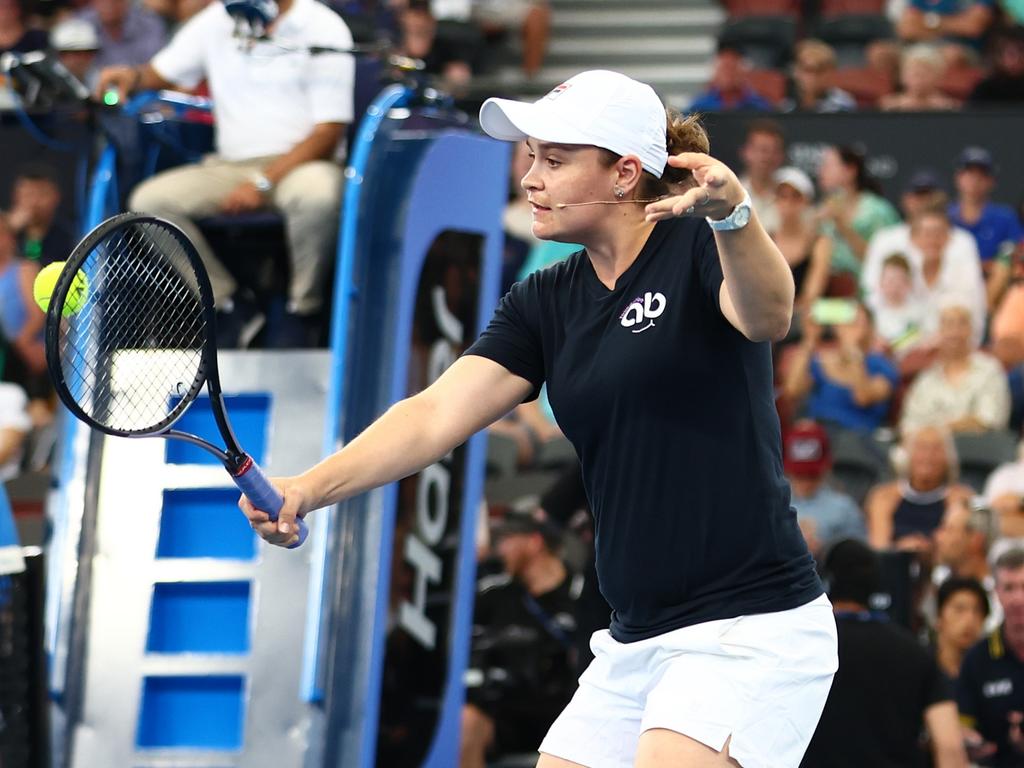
x=806 y=451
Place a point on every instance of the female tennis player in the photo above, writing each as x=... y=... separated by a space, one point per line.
x=653 y=343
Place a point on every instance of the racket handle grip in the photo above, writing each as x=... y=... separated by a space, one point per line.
x=254 y=484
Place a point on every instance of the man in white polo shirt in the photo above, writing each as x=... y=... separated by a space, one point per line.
x=280 y=114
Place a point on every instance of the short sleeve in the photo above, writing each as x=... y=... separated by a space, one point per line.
x=182 y=61
x=936 y=688
x=331 y=81
x=513 y=337
x=880 y=365
x=709 y=266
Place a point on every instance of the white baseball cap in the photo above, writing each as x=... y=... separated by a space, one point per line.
x=796 y=179
x=74 y=35
x=599 y=108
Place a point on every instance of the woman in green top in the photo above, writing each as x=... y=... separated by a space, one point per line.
x=852 y=210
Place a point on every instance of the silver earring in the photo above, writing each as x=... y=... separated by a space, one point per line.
x=619 y=192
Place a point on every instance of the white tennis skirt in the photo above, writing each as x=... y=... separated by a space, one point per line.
x=761 y=679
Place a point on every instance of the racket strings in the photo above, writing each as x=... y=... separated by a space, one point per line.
x=132 y=354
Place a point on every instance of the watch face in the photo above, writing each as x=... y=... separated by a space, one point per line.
x=741 y=216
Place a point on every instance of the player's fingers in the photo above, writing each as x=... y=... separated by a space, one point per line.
x=287 y=514
x=679 y=205
x=254 y=515
x=691 y=160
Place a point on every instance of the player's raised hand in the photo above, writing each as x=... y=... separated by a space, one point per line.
x=716 y=191
x=284 y=531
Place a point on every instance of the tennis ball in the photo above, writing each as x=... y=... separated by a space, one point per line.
x=45 y=282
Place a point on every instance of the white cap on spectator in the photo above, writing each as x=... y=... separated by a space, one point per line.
x=74 y=35
x=796 y=179
x=599 y=108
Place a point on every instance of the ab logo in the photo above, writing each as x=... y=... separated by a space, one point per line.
x=643 y=310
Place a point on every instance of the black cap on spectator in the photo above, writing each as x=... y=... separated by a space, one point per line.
x=976 y=157
x=923 y=180
x=532 y=521
x=852 y=571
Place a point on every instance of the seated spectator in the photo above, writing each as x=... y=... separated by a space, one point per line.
x=905 y=512
x=21 y=321
x=900 y=315
x=728 y=90
x=813 y=81
x=1004 y=492
x=995 y=227
x=15 y=424
x=762 y=154
x=962 y=543
x=1006 y=331
x=175 y=12
x=888 y=688
x=42 y=236
x=825 y=515
x=530 y=19
x=924 y=192
x=852 y=211
x=965 y=390
x=77 y=46
x=521 y=674
x=955 y=23
x=990 y=689
x=946 y=275
x=921 y=71
x=1005 y=84
x=808 y=253
x=962 y=609
x=276 y=143
x=419 y=41
x=15 y=34
x=846 y=384
x=130 y=34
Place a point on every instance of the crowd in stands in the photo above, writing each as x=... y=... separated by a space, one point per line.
x=840 y=56
x=900 y=386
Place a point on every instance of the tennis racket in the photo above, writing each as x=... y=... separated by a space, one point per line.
x=130 y=342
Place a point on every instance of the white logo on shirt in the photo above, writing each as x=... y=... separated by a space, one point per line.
x=646 y=307
x=997 y=688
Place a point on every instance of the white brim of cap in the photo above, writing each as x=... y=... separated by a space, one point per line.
x=510 y=120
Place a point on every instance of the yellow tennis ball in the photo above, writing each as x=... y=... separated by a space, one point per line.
x=45 y=282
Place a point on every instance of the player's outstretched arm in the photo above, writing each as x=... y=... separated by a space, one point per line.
x=412 y=434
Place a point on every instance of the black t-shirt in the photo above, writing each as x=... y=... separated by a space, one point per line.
x=671 y=412
x=874 y=715
x=990 y=686
x=521 y=661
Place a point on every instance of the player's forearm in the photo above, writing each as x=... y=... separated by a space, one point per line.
x=398 y=444
x=319 y=145
x=759 y=280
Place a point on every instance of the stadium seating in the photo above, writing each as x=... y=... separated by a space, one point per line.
x=981 y=452
x=766 y=40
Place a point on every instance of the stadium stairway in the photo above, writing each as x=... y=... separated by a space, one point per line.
x=667 y=43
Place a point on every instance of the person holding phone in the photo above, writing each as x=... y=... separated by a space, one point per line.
x=846 y=384
x=654 y=343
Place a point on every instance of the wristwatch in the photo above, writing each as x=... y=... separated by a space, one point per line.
x=738 y=219
x=261 y=182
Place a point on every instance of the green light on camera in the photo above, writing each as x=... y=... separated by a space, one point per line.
x=110 y=98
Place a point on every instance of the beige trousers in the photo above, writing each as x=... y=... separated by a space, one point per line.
x=308 y=197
